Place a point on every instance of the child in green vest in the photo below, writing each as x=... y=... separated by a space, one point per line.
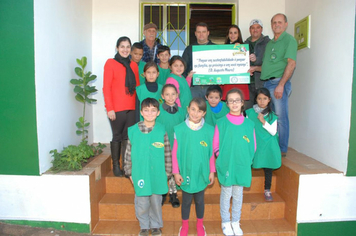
x=216 y=108
x=163 y=54
x=177 y=65
x=268 y=153
x=170 y=116
x=193 y=162
x=136 y=56
x=148 y=164
x=234 y=147
x=149 y=89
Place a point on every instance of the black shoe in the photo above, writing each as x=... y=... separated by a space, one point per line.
x=164 y=197
x=173 y=199
x=115 y=155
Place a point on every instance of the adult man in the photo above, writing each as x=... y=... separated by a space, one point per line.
x=278 y=65
x=202 y=35
x=257 y=44
x=150 y=43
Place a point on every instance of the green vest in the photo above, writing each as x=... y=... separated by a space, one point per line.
x=163 y=75
x=148 y=160
x=236 y=151
x=268 y=153
x=170 y=120
x=195 y=147
x=141 y=65
x=143 y=93
x=211 y=117
x=185 y=95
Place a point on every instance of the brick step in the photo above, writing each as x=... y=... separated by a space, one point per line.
x=115 y=206
x=275 y=227
x=123 y=185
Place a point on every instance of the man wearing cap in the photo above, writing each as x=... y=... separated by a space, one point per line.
x=257 y=44
x=277 y=68
x=150 y=43
x=202 y=35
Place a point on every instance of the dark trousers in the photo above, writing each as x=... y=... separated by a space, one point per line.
x=124 y=119
x=187 y=202
x=268 y=177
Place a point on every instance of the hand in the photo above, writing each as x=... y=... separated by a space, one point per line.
x=179 y=179
x=111 y=115
x=211 y=178
x=191 y=74
x=261 y=118
x=252 y=70
x=253 y=57
x=131 y=180
x=278 y=91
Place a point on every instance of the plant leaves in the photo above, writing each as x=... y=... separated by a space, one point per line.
x=79 y=62
x=79 y=125
x=76 y=81
x=81 y=119
x=79 y=132
x=78 y=89
x=92 y=77
x=86 y=124
x=79 y=71
x=84 y=62
x=80 y=98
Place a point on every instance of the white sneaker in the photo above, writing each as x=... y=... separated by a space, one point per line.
x=226 y=228
x=237 y=229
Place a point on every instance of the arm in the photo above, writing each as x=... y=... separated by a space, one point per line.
x=288 y=71
x=127 y=160
x=107 y=84
x=177 y=177
x=271 y=128
x=167 y=156
x=254 y=68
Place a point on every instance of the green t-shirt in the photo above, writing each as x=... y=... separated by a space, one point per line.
x=211 y=117
x=141 y=65
x=163 y=75
x=195 y=147
x=236 y=152
x=268 y=152
x=148 y=160
x=276 y=56
x=143 y=93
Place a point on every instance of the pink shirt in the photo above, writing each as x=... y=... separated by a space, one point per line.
x=236 y=120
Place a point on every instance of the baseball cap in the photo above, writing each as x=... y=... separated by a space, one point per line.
x=149 y=26
x=256 y=21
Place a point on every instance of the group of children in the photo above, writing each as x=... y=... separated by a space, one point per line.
x=185 y=140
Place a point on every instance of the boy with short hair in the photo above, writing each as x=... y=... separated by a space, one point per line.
x=136 y=56
x=163 y=54
x=215 y=107
x=148 y=164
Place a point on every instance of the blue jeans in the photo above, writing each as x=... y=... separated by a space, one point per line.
x=149 y=211
x=236 y=192
x=280 y=107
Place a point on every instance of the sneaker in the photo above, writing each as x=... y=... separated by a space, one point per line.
x=144 y=232
x=283 y=154
x=156 y=232
x=268 y=195
x=226 y=228
x=182 y=232
x=201 y=232
x=237 y=229
x=173 y=199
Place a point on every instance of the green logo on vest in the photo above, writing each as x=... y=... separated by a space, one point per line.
x=227 y=175
x=203 y=143
x=245 y=137
x=158 y=145
x=188 y=180
x=141 y=183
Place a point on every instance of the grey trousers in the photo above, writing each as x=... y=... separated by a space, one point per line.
x=149 y=211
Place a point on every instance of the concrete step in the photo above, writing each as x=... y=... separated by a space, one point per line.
x=273 y=227
x=114 y=206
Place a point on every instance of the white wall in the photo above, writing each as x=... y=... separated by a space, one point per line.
x=62 y=33
x=326 y=197
x=56 y=198
x=111 y=20
x=320 y=103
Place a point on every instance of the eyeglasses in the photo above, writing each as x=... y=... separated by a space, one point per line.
x=234 y=101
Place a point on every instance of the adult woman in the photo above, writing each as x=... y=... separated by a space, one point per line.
x=234 y=36
x=120 y=81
